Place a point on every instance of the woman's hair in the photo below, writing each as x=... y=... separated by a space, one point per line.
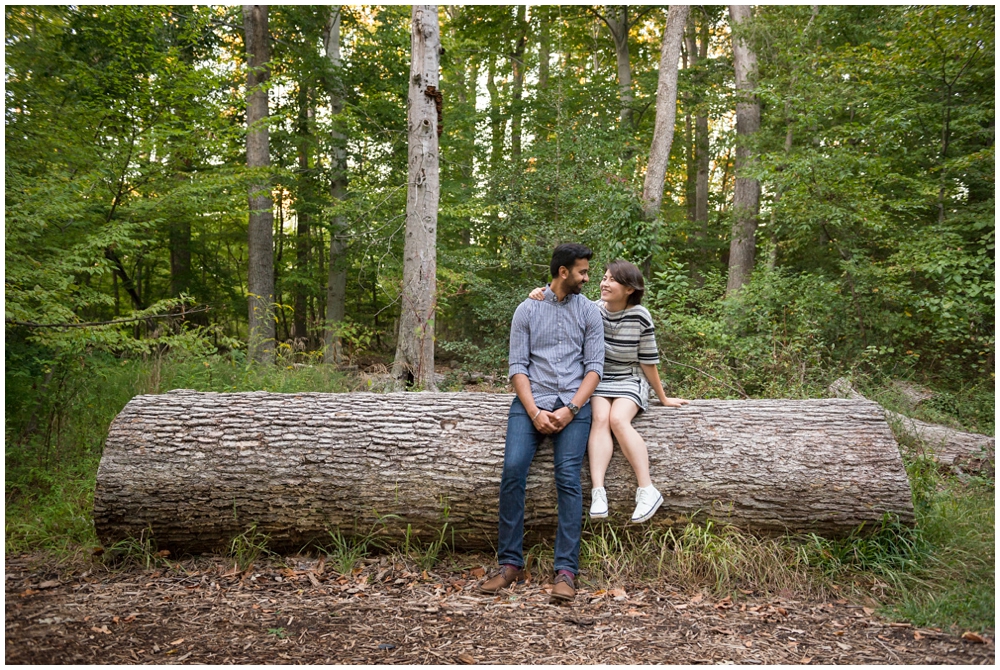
x=629 y=275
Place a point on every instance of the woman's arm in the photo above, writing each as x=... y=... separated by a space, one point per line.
x=653 y=377
x=538 y=293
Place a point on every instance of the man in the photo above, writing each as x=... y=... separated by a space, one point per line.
x=556 y=361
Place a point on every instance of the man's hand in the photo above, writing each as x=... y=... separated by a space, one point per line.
x=561 y=417
x=546 y=423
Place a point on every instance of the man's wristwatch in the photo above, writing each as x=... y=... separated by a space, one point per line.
x=573 y=409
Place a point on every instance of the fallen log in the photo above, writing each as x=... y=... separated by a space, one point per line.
x=196 y=469
x=945 y=445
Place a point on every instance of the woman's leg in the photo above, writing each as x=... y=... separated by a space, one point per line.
x=599 y=444
x=633 y=446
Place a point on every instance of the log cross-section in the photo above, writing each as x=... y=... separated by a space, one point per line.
x=197 y=469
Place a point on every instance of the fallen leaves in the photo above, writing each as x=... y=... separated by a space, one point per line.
x=412 y=616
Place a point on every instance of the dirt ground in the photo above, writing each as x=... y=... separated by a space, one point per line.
x=300 y=611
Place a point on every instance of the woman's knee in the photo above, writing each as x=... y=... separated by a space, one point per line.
x=619 y=424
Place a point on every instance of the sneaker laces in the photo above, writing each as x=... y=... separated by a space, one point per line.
x=641 y=495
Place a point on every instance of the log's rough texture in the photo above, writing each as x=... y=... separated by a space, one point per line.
x=199 y=468
x=946 y=445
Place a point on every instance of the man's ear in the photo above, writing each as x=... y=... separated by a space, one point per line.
x=564 y=272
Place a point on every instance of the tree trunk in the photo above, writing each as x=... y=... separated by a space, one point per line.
x=414 y=360
x=517 y=86
x=180 y=256
x=666 y=111
x=260 y=270
x=498 y=124
x=618 y=23
x=544 y=23
x=701 y=152
x=299 y=317
x=198 y=468
x=336 y=281
x=746 y=194
x=689 y=56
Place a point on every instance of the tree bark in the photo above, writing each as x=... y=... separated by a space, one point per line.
x=618 y=24
x=544 y=23
x=414 y=360
x=746 y=194
x=336 y=281
x=498 y=124
x=701 y=141
x=517 y=85
x=260 y=251
x=198 y=468
x=300 y=329
x=666 y=111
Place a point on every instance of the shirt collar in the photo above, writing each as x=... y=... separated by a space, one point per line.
x=551 y=297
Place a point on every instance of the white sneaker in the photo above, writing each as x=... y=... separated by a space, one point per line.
x=647 y=501
x=599 y=503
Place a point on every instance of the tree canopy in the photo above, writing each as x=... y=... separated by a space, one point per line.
x=126 y=179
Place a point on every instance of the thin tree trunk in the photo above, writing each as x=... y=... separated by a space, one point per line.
x=260 y=267
x=618 y=23
x=180 y=256
x=302 y=240
x=200 y=468
x=336 y=281
x=517 y=69
x=746 y=195
x=666 y=111
x=544 y=24
x=414 y=360
x=498 y=124
x=689 y=56
x=701 y=150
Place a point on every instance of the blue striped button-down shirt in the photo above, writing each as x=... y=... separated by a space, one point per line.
x=556 y=344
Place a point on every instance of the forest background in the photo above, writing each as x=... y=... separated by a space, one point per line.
x=127 y=202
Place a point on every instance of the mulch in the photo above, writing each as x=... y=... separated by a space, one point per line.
x=388 y=611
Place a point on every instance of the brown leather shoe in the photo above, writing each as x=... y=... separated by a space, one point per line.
x=502 y=578
x=562 y=590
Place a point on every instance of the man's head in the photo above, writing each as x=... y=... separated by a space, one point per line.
x=570 y=266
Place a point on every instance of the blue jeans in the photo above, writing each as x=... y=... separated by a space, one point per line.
x=570 y=445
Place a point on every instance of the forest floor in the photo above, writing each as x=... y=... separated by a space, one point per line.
x=298 y=610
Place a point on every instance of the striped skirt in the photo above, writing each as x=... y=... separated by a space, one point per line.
x=634 y=387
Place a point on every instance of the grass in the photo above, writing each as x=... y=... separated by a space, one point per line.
x=940 y=573
x=248 y=547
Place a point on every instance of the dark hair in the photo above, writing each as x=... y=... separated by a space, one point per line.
x=566 y=256
x=629 y=275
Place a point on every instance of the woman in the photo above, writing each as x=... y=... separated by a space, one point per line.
x=630 y=360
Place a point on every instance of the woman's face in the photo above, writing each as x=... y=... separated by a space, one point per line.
x=612 y=291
